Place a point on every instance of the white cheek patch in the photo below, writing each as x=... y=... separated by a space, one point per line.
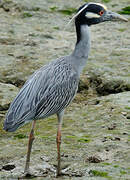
x=92 y=15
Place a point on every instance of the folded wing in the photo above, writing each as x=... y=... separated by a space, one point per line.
x=48 y=91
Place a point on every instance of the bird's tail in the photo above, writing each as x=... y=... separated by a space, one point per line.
x=11 y=127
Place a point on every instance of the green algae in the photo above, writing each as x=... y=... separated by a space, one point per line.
x=27 y=15
x=123 y=172
x=106 y=163
x=106 y=1
x=116 y=166
x=54 y=8
x=99 y=173
x=127 y=107
x=83 y=139
x=67 y=11
x=122 y=29
x=86 y=0
x=125 y=10
x=20 y=136
x=56 y=28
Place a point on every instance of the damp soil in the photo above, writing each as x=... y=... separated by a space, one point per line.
x=95 y=133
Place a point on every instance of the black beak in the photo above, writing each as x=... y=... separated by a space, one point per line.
x=112 y=16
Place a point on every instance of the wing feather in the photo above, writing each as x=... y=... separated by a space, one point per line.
x=48 y=91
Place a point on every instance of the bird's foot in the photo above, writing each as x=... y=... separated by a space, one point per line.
x=58 y=173
x=62 y=171
x=28 y=174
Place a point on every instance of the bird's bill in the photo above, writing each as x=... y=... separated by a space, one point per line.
x=112 y=16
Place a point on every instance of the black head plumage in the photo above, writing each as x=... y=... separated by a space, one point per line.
x=90 y=13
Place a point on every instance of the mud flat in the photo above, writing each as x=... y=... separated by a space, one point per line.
x=95 y=133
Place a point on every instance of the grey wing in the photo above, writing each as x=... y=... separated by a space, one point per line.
x=59 y=96
x=23 y=106
x=48 y=91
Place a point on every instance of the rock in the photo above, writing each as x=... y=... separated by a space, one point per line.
x=7 y=94
x=121 y=99
x=105 y=85
x=93 y=159
x=8 y=167
x=83 y=85
x=111 y=127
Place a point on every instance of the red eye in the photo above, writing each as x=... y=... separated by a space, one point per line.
x=101 y=12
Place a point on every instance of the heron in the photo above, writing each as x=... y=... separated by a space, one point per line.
x=50 y=89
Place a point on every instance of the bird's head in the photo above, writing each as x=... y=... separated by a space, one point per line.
x=94 y=13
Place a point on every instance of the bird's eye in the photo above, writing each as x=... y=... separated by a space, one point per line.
x=101 y=12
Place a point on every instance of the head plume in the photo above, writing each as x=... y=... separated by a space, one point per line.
x=81 y=10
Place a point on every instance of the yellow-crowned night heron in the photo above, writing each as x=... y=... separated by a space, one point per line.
x=52 y=87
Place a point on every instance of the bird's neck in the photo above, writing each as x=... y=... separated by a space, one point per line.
x=82 y=46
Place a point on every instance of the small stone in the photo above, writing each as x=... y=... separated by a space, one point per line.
x=64 y=155
x=117 y=139
x=124 y=113
x=44 y=158
x=125 y=133
x=10 y=54
x=93 y=159
x=128 y=117
x=112 y=127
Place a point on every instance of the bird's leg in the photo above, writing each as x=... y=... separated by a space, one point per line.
x=31 y=139
x=58 y=140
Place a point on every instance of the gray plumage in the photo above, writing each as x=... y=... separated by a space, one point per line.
x=51 y=88
x=48 y=91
